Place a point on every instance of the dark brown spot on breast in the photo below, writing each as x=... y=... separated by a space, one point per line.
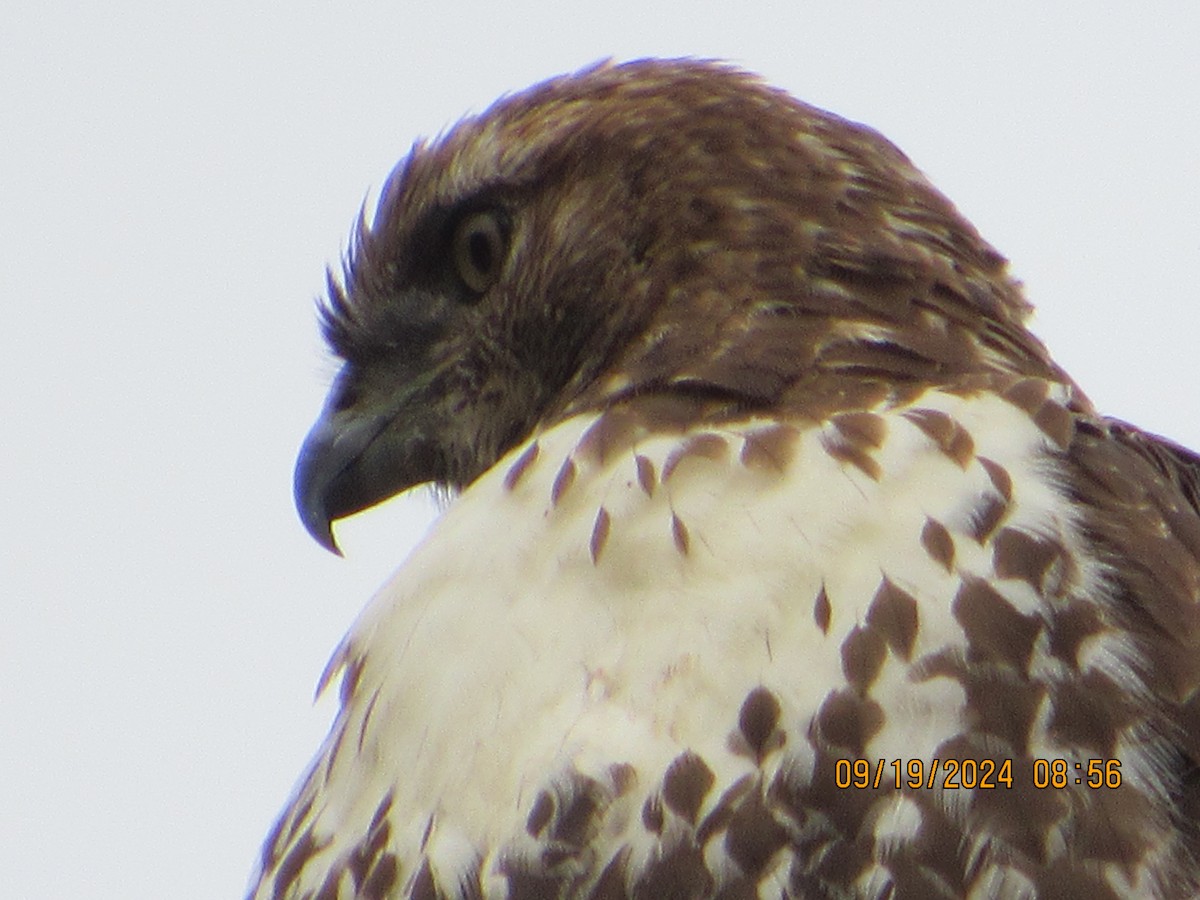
x=652 y=814
x=822 y=610
x=294 y=862
x=678 y=873
x=424 y=887
x=624 y=777
x=995 y=631
x=381 y=811
x=614 y=428
x=1003 y=703
x=366 y=719
x=893 y=614
x=562 y=481
x=987 y=514
x=863 y=429
x=757 y=720
x=645 y=474
x=612 y=884
x=847 y=719
x=1021 y=816
x=851 y=454
x=335 y=752
x=813 y=802
x=718 y=818
x=863 y=652
x=753 y=837
x=685 y=785
x=679 y=534
x=950 y=437
x=1001 y=480
x=936 y=425
x=599 y=534
x=540 y=814
x=517 y=470
x=947 y=662
x=1000 y=702
x=427 y=833
x=769 y=448
x=581 y=805
x=351 y=673
x=528 y=880
x=382 y=880
x=299 y=820
x=938 y=543
x=1016 y=554
x=704 y=446
x=368 y=855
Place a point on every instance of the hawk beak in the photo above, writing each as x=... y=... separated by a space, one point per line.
x=334 y=472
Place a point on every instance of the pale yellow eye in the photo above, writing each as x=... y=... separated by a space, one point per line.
x=479 y=248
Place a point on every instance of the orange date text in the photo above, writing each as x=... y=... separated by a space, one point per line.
x=972 y=774
x=948 y=774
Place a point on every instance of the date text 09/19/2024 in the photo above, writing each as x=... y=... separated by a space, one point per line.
x=971 y=774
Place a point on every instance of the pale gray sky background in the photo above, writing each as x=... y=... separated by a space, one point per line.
x=173 y=179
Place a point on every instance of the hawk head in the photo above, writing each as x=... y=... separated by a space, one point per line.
x=653 y=232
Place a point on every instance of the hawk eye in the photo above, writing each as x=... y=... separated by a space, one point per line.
x=478 y=249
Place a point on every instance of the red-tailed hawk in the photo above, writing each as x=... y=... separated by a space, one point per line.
x=784 y=563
